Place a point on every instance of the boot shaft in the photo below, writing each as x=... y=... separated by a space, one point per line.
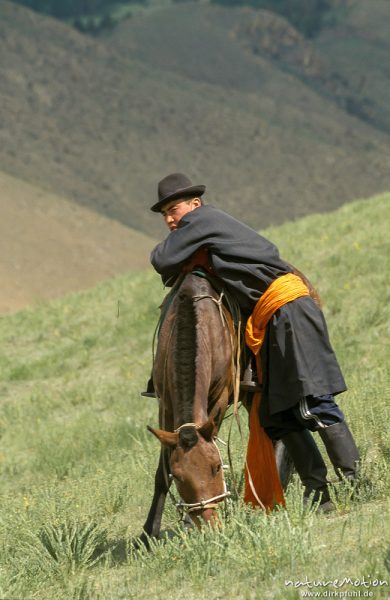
x=341 y=449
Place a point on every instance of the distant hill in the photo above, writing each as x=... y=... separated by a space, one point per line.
x=101 y=121
x=243 y=48
x=50 y=247
x=358 y=47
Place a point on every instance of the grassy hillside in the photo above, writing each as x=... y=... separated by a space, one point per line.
x=51 y=246
x=100 y=125
x=77 y=464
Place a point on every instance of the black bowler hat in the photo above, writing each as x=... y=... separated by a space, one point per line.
x=175 y=186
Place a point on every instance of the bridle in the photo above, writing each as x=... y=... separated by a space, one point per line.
x=210 y=503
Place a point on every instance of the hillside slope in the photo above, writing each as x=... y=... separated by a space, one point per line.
x=50 y=246
x=359 y=49
x=101 y=127
x=77 y=464
x=252 y=50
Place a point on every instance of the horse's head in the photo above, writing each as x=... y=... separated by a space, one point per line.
x=196 y=467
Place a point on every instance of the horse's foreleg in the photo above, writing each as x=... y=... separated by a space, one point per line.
x=284 y=463
x=161 y=486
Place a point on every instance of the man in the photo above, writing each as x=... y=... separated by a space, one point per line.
x=300 y=372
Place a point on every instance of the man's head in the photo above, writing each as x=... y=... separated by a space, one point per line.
x=176 y=209
x=176 y=197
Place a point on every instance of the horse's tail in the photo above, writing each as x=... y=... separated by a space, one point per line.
x=312 y=290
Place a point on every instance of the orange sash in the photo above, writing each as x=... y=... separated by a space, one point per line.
x=261 y=476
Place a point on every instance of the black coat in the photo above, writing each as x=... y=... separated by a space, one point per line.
x=297 y=357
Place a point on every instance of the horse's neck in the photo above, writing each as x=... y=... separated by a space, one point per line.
x=192 y=354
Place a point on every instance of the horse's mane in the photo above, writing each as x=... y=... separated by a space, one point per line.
x=188 y=328
x=185 y=349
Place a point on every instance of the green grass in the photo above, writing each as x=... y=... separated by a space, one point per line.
x=77 y=464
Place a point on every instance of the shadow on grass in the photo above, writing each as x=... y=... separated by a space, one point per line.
x=125 y=549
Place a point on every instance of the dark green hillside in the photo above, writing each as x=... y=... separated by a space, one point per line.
x=73 y=8
x=77 y=463
x=307 y=17
x=101 y=125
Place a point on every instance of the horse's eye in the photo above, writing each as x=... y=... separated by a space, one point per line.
x=216 y=469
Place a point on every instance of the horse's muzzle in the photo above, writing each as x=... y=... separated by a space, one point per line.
x=204 y=516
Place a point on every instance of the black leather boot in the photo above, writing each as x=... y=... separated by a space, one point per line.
x=150 y=391
x=341 y=449
x=310 y=467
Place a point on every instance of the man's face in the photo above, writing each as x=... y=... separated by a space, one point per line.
x=175 y=210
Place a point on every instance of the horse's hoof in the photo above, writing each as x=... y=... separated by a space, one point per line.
x=326 y=507
x=142 y=542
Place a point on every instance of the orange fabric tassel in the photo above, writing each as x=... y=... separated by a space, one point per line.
x=282 y=290
x=262 y=483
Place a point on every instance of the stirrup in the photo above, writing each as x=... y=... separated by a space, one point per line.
x=250 y=386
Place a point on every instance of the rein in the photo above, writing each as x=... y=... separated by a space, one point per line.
x=217 y=302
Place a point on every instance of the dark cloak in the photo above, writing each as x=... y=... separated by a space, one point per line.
x=297 y=357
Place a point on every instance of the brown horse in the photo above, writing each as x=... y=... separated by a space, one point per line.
x=193 y=375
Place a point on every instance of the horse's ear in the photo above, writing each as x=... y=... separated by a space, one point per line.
x=167 y=438
x=208 y=430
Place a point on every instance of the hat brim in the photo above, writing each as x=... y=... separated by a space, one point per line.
x=193 y=190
